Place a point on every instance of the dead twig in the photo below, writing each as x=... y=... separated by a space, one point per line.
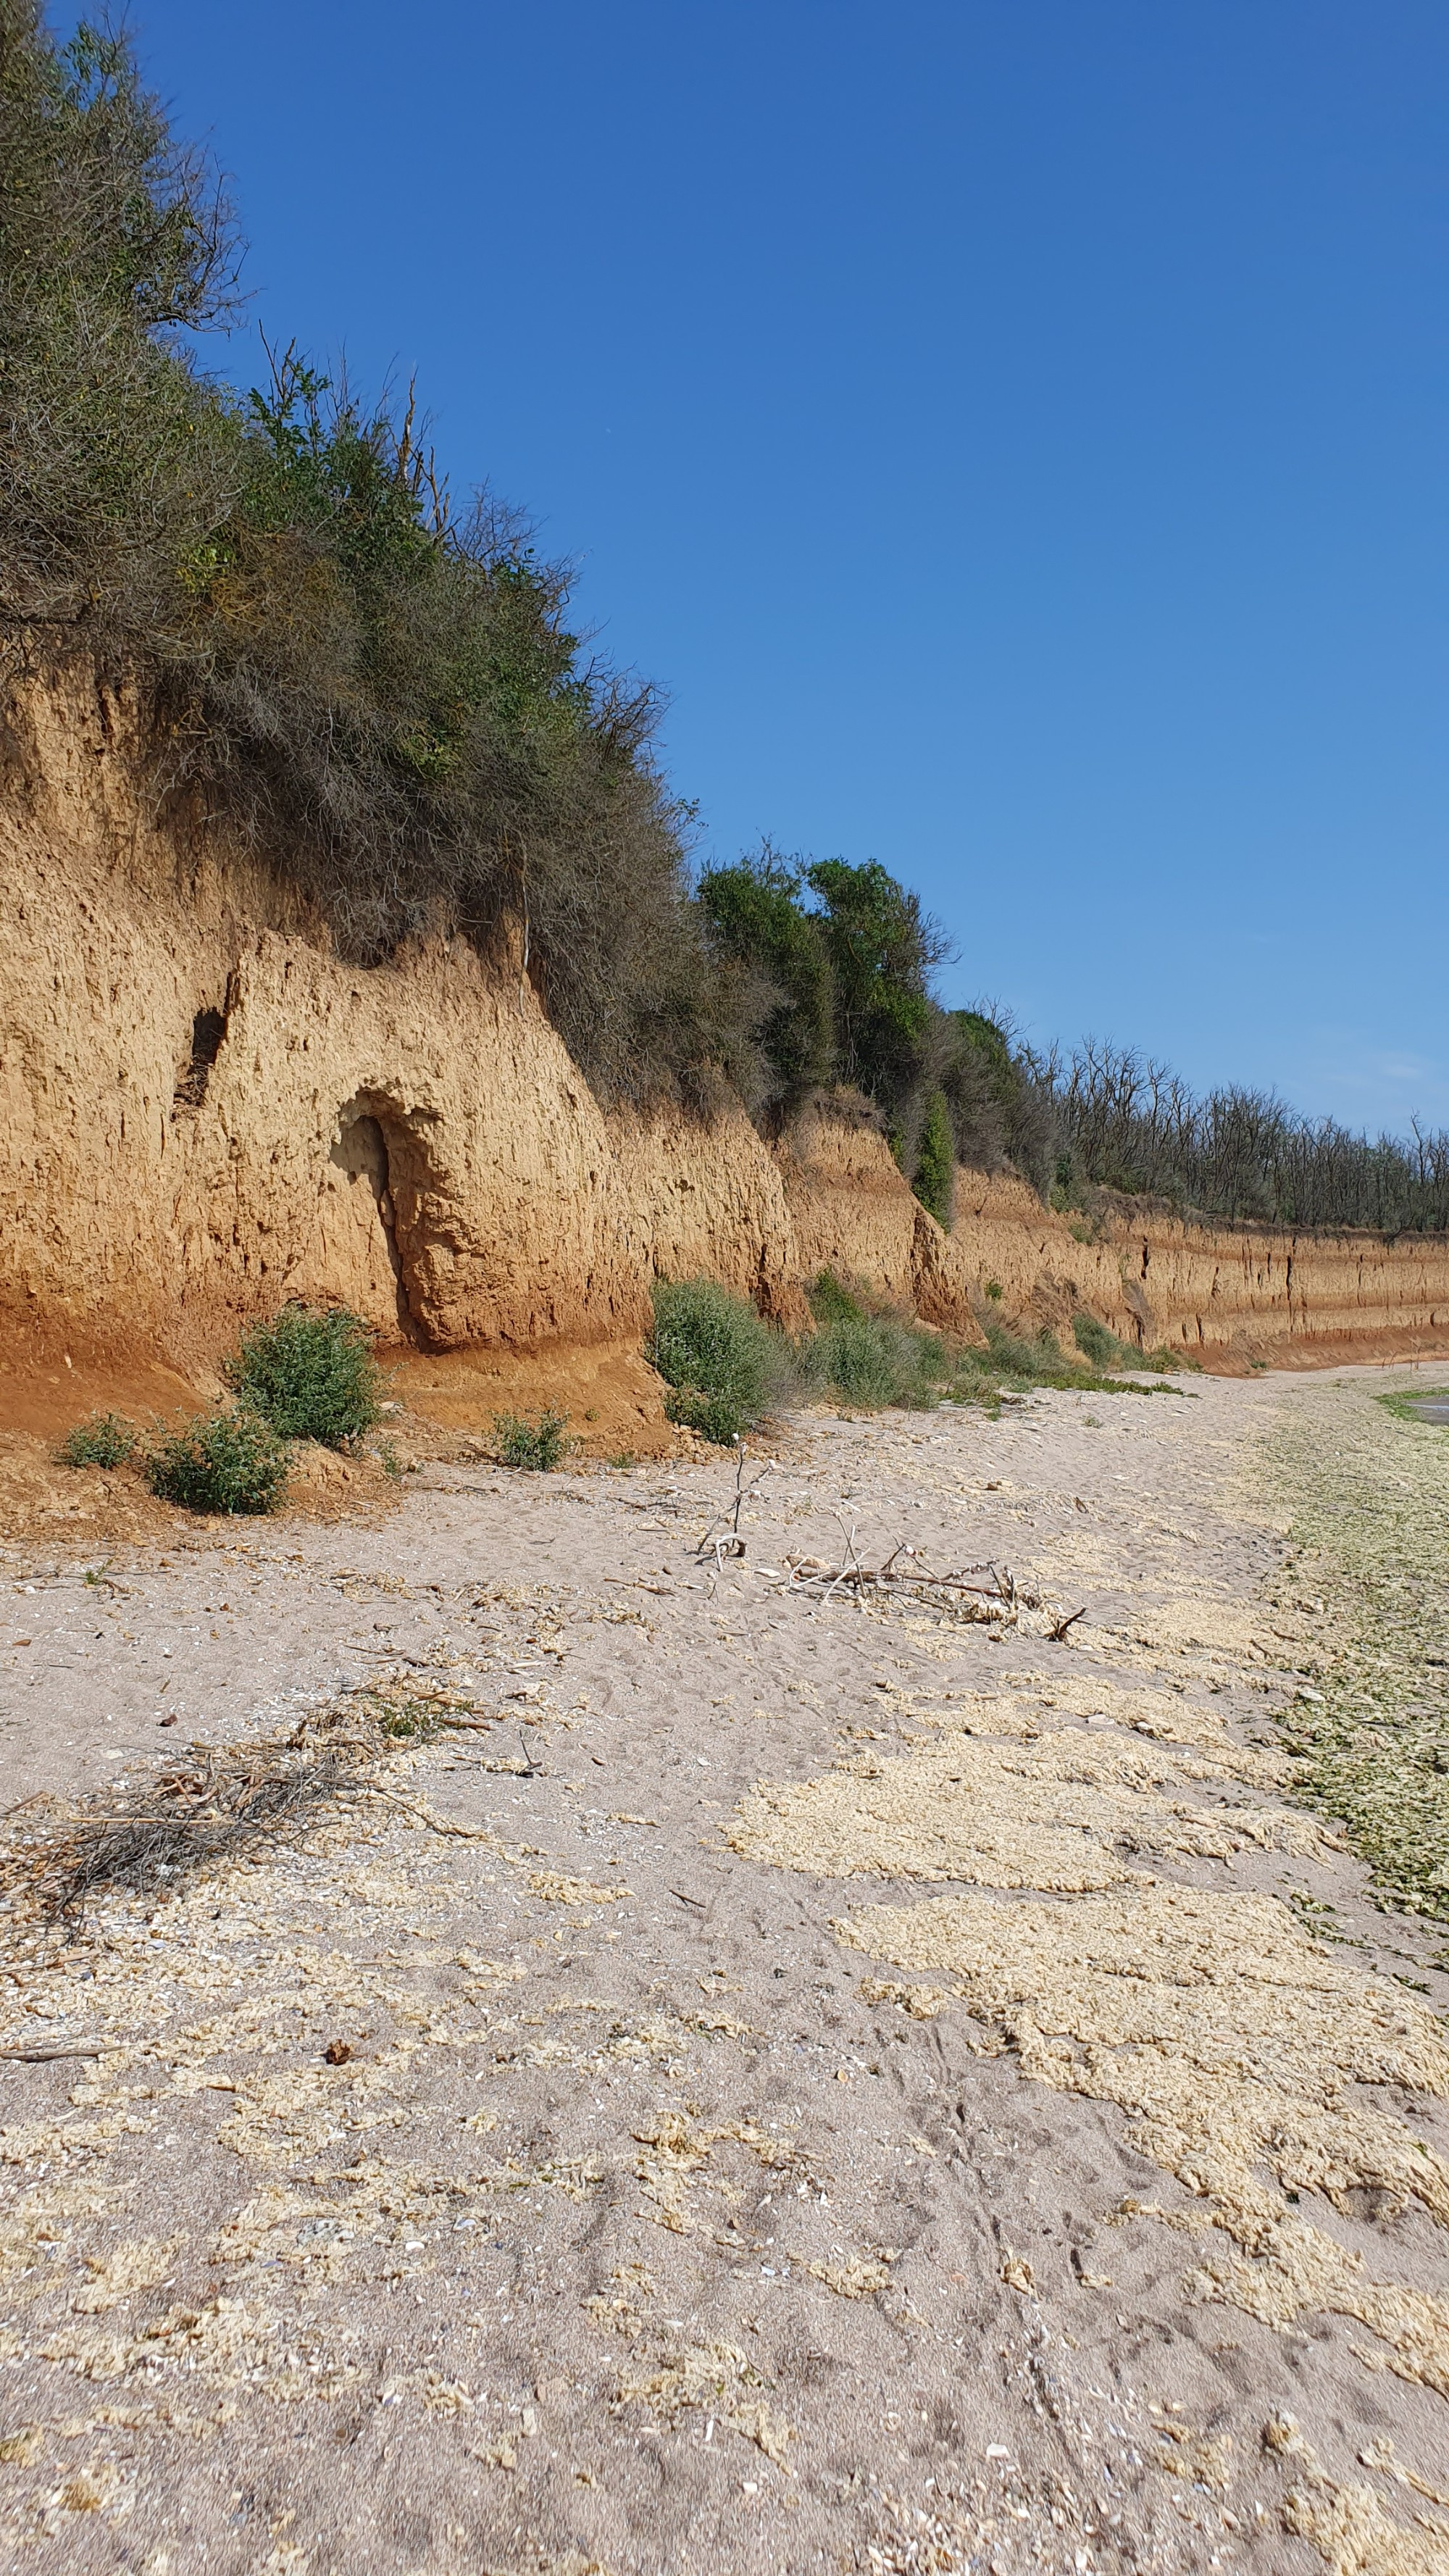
x=805 y=1571
x=1058 y=1634
x=436 y=1824
x=733 y=1545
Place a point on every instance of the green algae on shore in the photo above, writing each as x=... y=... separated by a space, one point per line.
x=1367 y=1493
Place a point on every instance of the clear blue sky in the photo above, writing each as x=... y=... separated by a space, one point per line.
x=1013 y=431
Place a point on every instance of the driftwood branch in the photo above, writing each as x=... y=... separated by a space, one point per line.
x=72 y=2048
x=1058 y=1634
x=728 y=1542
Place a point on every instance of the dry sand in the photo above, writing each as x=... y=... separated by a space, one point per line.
x=819 y=2083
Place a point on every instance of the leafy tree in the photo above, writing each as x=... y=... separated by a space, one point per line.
x=881 y=950
x=385 y=692
x=113 y=239
x=936 y=1160
x=756 y=917
x=999 y=1114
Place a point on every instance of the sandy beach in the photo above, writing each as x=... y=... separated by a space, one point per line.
x=794 y=2072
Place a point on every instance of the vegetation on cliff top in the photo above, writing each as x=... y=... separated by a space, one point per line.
x=386 y=691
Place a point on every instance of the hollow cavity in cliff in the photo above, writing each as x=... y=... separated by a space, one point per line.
x=208 y=1034
x=360 y=1218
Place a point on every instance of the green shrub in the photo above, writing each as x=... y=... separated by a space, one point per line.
x=1095 y=1341
x=102 y=1440
x=872 y=1360
x=1030 y=1356
x=711 y=1348
x=1106 y=1350
x=311 y=1375
x=881 y=949
x=756 y=918
x=224 y=1462
x=714 y=1417
x=831 y=1303
x=935 y=1181
x=540 y=1443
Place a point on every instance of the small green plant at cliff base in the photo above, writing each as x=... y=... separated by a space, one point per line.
x=539 y=1443
x=869 y=1359
x=1014 y=1362
x=1106 y=1350
x=225 y=1462
x=311 y=1374
x=714 y=1417
x=102 y=1440
x=721 y=1363
x=873 y=1360
x=831 y=1302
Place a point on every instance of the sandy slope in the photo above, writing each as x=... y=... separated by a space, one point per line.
x=871 y=2094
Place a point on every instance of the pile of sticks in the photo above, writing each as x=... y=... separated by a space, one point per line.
x=986 y=1592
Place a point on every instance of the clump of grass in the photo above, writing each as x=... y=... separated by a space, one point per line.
x=1015 y=1362
x=1106 y=1350
x=311 y=1374
x=228 y=1461
x=1404 y=1401
x=102 y=1440
x=721 y=1363
x=869 y=1359
x=875 y=1360
x=540 y=1442
x=1095 y=1341
x=831 y=1302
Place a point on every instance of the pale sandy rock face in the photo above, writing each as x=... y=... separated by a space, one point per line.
x=203 y=1110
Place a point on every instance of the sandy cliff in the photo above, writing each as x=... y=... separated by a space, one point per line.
x=205 y=1110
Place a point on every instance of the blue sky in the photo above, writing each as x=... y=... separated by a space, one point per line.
x=1013 y=431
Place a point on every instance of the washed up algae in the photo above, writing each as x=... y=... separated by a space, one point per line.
x=1366 y=1496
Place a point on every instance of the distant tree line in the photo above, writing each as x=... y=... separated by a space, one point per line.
x=1118 y=1121
x=385 y=692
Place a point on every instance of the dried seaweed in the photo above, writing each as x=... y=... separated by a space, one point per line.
x=220 y=1800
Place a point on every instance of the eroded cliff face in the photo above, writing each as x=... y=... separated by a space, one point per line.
x=205 y=1111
